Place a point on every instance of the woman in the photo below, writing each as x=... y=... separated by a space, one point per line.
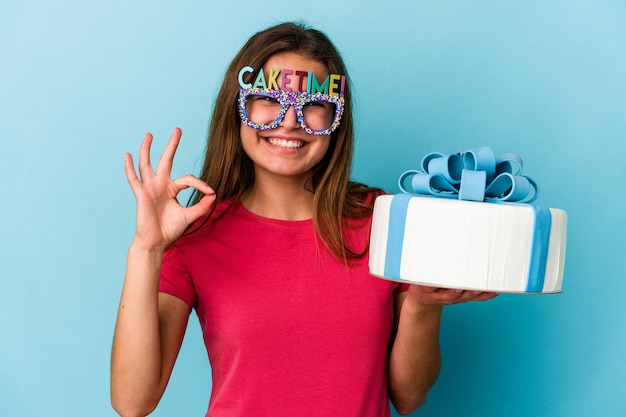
x=272 y=256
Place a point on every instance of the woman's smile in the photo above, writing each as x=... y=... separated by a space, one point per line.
x=285 y=143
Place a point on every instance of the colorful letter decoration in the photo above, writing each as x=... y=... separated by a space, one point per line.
x=293 y=80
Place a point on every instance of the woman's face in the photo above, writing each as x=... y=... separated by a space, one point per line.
x=287 y=150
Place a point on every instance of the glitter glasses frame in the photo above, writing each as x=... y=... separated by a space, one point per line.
x=298 y=100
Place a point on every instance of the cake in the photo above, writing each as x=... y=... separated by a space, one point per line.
x=466 y=221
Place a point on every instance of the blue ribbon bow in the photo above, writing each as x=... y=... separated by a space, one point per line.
x=474 y=175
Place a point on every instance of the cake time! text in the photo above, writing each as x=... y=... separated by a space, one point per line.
x=294 y=80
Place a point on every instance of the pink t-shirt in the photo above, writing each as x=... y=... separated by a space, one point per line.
x=289 y=330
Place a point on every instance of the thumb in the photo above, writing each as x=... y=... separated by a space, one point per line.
x=201 y=207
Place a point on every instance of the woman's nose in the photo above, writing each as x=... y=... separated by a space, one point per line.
x=290 y=121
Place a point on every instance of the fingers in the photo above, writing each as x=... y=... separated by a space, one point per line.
x=193 y=182
x=152 y=185
x=145 y=167
x=131 y=175
x=167 y=158
x=164 y=167
x=202 y=207
x=484 y=296
x=205 y=203
x=429 y=290
x=447 y=296
x=456 y=296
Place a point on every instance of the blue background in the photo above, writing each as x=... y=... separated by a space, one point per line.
x=81 y=82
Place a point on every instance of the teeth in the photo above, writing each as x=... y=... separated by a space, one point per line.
x=283 y=143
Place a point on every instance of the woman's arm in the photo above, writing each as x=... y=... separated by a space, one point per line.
x=415 y=358
x=148 y=335
x=150 y=326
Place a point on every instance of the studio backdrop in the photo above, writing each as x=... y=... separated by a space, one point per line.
x=81 y=83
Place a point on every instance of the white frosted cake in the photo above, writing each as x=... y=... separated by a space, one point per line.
x=477 y=245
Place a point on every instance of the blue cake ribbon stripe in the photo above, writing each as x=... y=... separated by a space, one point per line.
x=539 y=252
x=474 y=175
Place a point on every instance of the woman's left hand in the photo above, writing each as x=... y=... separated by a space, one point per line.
x=432 y=296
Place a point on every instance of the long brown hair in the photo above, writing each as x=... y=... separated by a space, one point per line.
x=337 y=202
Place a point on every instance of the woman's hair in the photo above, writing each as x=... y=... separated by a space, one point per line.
x=337 y=201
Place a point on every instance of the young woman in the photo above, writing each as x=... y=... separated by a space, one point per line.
x=272 y=255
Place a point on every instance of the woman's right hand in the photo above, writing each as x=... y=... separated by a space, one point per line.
x=161 y=220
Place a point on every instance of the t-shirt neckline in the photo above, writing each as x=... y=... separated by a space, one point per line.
x=241 y=209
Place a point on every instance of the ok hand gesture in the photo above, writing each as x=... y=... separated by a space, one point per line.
x=160 y=218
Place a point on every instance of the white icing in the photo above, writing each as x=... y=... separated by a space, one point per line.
x=463 y=244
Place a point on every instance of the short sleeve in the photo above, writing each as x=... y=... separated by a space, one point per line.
x=401 y=288
x=175 y=278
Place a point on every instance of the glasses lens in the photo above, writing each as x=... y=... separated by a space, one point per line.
x=319 y=114
x=262 y=110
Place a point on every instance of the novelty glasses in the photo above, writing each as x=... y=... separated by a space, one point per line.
x=263 y=109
